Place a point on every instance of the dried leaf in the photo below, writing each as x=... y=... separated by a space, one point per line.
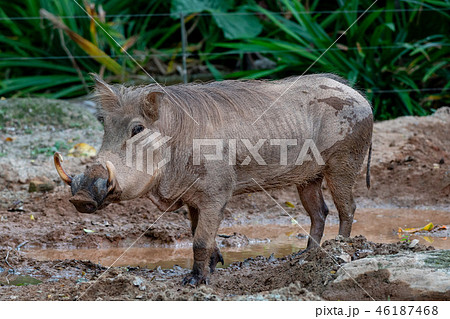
x=358 y=45
x=289 y=204
x=427 y=227
x=129 y=43
x=86 y=45
x=428 y=239
x=342 y=47
x=289 y=234
x=82 y=150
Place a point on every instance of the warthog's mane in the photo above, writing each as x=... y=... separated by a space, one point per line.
x=188 y=107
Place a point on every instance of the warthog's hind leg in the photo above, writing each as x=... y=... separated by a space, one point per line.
x=340 y=181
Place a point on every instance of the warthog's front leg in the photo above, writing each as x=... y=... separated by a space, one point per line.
x=206 y=253
x=216 y=256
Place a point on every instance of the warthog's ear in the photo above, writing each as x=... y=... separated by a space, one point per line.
x=105 y=94
x=151 y=105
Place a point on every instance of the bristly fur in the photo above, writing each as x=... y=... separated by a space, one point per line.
x=207 y=102
x=211 y=105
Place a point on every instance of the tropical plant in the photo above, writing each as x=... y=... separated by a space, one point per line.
x=50 y=47
x=392 y=52
x=401 y=67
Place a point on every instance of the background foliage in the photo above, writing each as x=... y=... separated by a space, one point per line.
x=398 y=52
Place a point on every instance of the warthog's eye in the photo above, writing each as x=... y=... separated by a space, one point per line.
x=137 y=129
x=101 y=119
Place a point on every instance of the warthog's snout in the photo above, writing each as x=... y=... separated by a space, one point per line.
x=83 y=204
x=95 y=189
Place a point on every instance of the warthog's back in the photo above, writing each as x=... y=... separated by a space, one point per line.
x=318 y=108
x=308 y=107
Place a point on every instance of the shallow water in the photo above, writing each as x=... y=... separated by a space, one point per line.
x=377 y=225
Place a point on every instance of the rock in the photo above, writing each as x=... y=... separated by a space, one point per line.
x=235 y=240
x=159 y=270
x=344 y=258
x=8 y=174
x=41 y=184
x=413 y=243
x=422 y=275
x=177 y=268
x=408 y=158
x=138 y=282
x=271 y=258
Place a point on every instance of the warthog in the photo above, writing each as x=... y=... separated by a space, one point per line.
x=320 y=109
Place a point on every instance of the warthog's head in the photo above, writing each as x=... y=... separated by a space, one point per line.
x=125 y=112
x=92 y=190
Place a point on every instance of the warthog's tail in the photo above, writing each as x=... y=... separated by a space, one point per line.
x=368 y=167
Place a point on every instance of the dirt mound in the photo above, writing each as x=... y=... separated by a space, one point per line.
x=313 y=269
x=55 y=223
x=411 y=161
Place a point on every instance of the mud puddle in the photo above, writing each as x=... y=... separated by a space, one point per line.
x=377 y=225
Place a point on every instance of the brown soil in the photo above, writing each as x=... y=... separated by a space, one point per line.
x=410 y=169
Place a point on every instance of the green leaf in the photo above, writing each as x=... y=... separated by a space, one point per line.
x=24 y=281
x=255 y=74
x=238 y=26
x=191 y=6
x=216 y=73
x=391 y=26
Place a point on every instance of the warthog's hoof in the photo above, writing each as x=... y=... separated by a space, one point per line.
x=216 y=257
x=195 y=280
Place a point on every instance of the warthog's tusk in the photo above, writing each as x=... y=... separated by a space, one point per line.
x=111 y=176
x=57 y=157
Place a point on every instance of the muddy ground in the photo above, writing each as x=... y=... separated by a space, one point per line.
x=410 y=170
